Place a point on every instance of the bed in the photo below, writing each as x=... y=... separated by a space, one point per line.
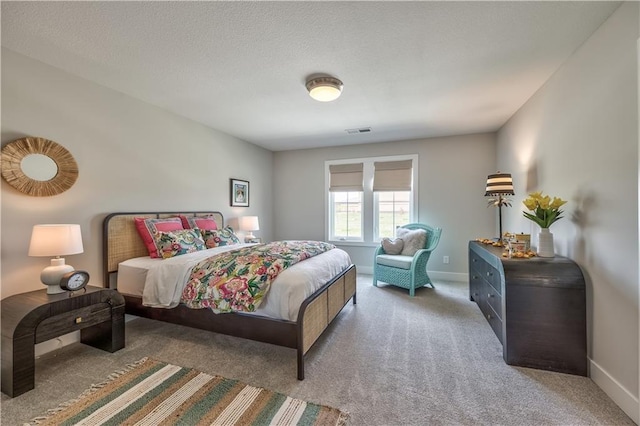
x=122 y=243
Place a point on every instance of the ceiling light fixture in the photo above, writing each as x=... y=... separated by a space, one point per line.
x=324 y=89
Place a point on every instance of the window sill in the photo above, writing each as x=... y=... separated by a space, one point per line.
x=354 y=243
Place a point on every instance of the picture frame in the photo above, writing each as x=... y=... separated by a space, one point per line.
x=239 y=192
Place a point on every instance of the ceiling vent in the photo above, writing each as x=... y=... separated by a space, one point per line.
x=360 y=130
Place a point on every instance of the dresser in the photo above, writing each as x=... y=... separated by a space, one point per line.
x=536 y=307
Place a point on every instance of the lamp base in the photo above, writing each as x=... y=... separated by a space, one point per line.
x=249 y=236
x=51 y=275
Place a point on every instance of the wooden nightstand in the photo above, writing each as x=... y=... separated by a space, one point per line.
x=36 y=316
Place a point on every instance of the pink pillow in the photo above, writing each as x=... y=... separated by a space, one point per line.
x=148 y=227
x=202 y=223
x=185 y=221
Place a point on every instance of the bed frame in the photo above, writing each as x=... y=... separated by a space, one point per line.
x=121 y=242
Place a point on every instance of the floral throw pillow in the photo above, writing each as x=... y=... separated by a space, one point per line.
x=147 y=227
x=175 y=243
x=220 y=237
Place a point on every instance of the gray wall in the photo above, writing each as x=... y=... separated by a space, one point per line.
x=132 y=157
x=452 y=176
x=578 y=138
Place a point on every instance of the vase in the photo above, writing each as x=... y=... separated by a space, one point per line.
x=545 y=243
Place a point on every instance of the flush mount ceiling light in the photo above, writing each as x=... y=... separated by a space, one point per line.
x=324 y=89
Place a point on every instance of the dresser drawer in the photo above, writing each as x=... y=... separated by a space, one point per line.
x=68 y=322
x=494 y=322
x=477 y=263
x=476 y=286
x=494 y=300
x=492 y=276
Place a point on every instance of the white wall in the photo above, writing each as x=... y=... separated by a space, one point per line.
x=452 y=176
x=577 y=138
x=131 y=156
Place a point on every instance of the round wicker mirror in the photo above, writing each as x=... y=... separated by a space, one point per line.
x=38 y=166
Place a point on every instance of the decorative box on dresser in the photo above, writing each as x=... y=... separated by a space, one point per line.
x=35 y=317
x=536 y=307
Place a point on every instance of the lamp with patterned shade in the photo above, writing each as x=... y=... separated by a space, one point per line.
x=499 y=185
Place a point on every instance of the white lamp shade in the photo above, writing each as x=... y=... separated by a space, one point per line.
x=324 y=89
x=55 y=240
x=325 y=93
x=249 y=223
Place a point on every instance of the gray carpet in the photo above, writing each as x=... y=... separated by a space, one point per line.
x=389 y=360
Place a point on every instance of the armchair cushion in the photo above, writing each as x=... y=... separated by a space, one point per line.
x=414 y=240
x=392 y=246
x=395 y=261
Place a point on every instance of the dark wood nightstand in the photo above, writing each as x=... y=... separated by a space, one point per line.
x=36 y=316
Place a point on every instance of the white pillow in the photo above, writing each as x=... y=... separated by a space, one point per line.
x=414 y=240
x=392 y=246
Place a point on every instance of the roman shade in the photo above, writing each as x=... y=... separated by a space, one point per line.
x=346 y=177
x=392 y=175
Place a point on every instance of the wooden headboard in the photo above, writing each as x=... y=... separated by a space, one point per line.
x=121 y=240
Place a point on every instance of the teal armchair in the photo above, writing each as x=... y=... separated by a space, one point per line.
x=408 y=272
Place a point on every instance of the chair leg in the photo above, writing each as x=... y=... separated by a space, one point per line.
x=429 y=282
x=412 y=291
x=375 y=281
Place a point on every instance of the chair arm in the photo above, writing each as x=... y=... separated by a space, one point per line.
x=379 y=250
x=420 y=257
x=421 y=253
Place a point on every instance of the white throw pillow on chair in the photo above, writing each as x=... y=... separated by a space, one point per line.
x=414 y=240
x=392 y=246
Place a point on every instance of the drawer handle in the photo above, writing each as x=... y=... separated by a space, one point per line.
x=489 y=295
x=475 y=277
x=475 y=260
x=489 y=274
x=78 y=320
x=488 y=316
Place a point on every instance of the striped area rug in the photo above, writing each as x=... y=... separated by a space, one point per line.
x=151 y=392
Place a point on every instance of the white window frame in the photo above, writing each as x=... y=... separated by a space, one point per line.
x=368 y=204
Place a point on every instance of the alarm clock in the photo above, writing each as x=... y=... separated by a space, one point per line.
x=74 y=280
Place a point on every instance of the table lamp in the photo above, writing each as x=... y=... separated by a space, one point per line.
x=55 y=240
x=499 y=185
x=250 y=224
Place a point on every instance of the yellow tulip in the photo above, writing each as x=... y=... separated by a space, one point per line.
x=544 y=202
x=557 y=203
x=530 y=203
x=536 y=195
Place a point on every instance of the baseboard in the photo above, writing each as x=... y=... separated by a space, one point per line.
x=449 y=276
x=55 y=344
x=621 y=396
x=435 y=275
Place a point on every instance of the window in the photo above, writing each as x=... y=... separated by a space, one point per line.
x=369 y=198
x=346 y=189
x=347 y=216
x=392 y=209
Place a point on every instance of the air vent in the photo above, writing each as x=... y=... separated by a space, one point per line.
x=360 y=130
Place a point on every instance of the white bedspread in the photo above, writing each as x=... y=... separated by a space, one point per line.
x=165 y=280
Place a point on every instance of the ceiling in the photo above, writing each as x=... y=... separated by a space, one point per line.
x=410 y=69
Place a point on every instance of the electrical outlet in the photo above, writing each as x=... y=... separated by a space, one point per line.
x=445 y=259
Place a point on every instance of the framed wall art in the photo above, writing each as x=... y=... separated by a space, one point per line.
x=239 y=193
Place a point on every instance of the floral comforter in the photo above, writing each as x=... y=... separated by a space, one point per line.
x=238 y=280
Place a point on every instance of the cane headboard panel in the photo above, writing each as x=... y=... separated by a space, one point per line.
x=121 y=240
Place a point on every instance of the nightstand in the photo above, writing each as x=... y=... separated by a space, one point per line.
x=36 y=316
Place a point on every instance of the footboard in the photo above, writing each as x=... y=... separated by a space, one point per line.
x=316 y=313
